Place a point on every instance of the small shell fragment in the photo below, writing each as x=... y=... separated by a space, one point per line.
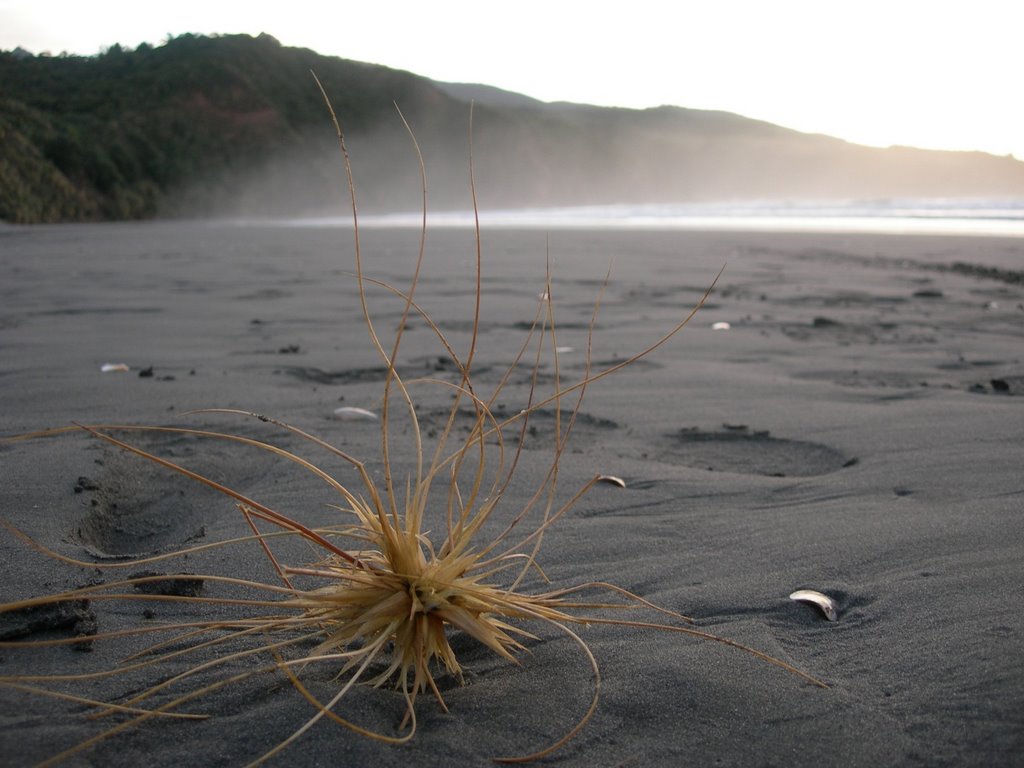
x=612 y=480
x=828 y=606
x=351 y=413
x=564 y=350
x=721 y=326
x=113 y=368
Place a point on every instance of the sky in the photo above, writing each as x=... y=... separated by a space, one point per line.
x=937 y=74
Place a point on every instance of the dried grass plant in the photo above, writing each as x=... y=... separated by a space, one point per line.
x=380 y=602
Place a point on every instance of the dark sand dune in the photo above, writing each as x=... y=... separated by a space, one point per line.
x=859 y=430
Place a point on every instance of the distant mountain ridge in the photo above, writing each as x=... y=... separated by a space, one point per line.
x=230 y=125
x=489 y=95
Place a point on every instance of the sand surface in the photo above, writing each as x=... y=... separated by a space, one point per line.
x=858 y=430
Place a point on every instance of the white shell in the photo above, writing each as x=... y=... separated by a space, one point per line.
x=828 y=606
x=351 y=413
x=722 y=326
x=113 y=368
x=612 y=480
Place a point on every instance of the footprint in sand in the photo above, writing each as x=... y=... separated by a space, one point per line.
x=737 y=449
x=135 y=508
x=1003 y=385
x=846 y=334
x=348 y=376
x=540 y=427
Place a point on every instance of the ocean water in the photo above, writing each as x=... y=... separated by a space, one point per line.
x=894 y=216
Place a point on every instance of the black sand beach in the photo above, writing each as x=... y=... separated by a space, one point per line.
x=858 y=430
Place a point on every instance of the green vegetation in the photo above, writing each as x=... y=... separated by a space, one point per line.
x=116 y=135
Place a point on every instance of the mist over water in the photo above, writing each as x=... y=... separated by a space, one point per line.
x=597 y=173
x=971 y=216
x=309 y=188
